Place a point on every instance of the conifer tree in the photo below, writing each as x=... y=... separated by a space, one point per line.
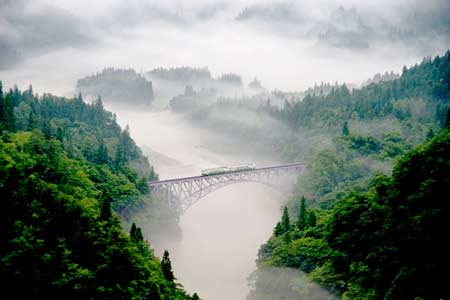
x=285 y=221
x=105 y=213
x=133 y=231
x=312 y=220
x=345 y=130
x=166 y=267
x=102 y=154
x=447 y=120
x=302 y=214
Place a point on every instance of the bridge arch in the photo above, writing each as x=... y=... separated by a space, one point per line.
x=182 y=193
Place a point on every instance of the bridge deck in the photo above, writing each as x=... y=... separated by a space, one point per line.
x=287 y=166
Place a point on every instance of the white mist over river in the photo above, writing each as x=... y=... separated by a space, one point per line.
x=223 y=231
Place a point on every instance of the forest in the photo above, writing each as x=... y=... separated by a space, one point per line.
x=359 y=232
x=373 y=195
x=122 y=87
x=68 y=170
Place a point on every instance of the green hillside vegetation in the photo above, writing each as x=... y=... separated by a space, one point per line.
x=121 y=87
x=364 y=231
x=67 y=170
x=386 y=242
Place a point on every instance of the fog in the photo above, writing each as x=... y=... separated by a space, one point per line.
x=223 y=231
x=288 y=45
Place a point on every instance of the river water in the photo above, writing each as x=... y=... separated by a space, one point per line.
x=221 y=233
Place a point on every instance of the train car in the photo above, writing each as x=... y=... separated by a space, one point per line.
x=216 y=171
x=224 y=170
x=244 y=167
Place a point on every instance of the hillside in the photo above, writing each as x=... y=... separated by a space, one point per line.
x=124 y=88
x=347 y=220
x=67 y=170
x=383 y=242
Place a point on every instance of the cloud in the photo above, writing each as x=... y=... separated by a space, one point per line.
x=356 y=27
x=28 y=29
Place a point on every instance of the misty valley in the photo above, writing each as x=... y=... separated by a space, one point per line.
x=217 y=150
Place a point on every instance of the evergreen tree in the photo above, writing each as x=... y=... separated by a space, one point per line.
x=60 y=135
x=139 y=237
x=166 y=267
x=46 y=129
x=302 y=214
x=133 y=231
x=136 y=233
x=447 y=120
x=430 y=134
x=7 y=114
x=105 y=213
x=278 y=230
x=345 y=130
x=102 y=154
x=312 y=219
x=285 y=221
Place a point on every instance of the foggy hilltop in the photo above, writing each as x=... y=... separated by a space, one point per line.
x=218 y=150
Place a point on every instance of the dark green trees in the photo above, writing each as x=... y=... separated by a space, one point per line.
x=166 y=267
x=60 y=237
x=102 y=154
x=136 y=233
x=447 y=120
x=345 y=130
x=302 y=217
x=383 y=242
x=284 y=225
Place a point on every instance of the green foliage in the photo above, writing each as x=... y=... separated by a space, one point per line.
x=302 y=215
x=166 y=267
x=59 y=237
x=117 y=86
x=384 y=242
x=345 y=130
x=284 y=225
x=447 y=120
x=87 y=132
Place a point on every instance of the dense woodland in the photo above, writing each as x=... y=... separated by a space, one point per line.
x=67 y=171
x=371 y=222
x=124 y=88
x=359 y=233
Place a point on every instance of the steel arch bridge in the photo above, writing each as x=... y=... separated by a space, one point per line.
x=182 y=193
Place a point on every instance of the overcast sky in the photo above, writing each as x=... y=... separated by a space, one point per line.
x=288 y=45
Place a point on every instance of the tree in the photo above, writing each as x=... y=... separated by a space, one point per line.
x=136 y=233
x=166 y=267
x=195 y=297
x=447 y=120
x=285 y=221
x=105 y=212
x=22 y=116
x=133 y=230
x=312 y=219
x=60 y=135
x=302 y=214
x=345 y=130
x=102 y=154
x=430 y=134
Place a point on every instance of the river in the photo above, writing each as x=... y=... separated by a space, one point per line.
x=221 y=233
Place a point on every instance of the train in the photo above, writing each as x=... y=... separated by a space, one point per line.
x=224 y=170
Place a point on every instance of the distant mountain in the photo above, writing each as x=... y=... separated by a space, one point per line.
x=182 y=74
x=123 y=87
x=171 y=82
